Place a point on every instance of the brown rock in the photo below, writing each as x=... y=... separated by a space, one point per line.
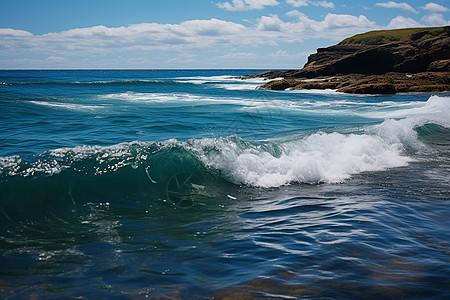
x=439 y=66
x=389 y=83
x=266 y=74
x=428 y=88
x=369 y=88
x=320 y=85
x=411 y=56
x=279 y=85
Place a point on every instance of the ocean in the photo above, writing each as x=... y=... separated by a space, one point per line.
x=193 y=184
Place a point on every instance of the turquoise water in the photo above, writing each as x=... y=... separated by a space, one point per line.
x=192 y=184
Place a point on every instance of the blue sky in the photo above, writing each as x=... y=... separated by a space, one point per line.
x=156 y=34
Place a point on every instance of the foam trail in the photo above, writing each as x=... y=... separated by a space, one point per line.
x=177 y=98
x=316 y=91
x=226 y=82
x=68 y=106
x=237 y=87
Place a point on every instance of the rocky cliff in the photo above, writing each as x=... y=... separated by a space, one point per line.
x=376 y=58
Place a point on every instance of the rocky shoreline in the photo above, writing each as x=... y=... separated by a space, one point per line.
x=367 y=64
x=390 y=83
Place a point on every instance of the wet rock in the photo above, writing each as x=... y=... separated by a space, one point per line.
x=389 y=83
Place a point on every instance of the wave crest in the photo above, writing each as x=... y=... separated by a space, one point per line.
x=314 y=158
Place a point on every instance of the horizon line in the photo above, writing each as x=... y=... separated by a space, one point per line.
x=145 y=69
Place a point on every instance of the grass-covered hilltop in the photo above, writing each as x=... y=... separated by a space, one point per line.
x=375 y=62
x=381 y=37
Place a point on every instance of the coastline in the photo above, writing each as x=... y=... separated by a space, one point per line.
x=376 y=62
x=391 y=83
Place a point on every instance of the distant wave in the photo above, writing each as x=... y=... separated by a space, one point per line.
x=237 y=87
x=102 y=82
x=68 y=106
x=177 y=98
x=219 y=79
x=179 y=80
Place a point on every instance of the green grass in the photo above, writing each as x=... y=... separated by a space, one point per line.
x=381 y=37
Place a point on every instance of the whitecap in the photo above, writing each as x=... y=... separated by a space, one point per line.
x=68 y=106
x=320 y=157
x=237 y=87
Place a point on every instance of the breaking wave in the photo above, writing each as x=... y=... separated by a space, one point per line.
x=177 y=173
x=297 y=158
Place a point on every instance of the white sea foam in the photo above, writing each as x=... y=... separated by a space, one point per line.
x=178 y=98
x=192 y=81
x=226 y=81
x=207 y=79
x=315 y=91
x=237 y=87
x=320 y=157
x=9 y=163
x=436 y=110
x=160 y=97
x=68 y=106
x=259 y=80
x=107 y=159
x=14 y=165
x=328 y=106
x=117 y=81
x=332 y=105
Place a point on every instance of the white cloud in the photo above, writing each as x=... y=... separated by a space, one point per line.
x=435 y=20
x=189 y=36
x=402 y=22
x=8 y=32
x=144 y=36
x=402 y=5
x=238 y=55
x=28 y=63
x=280 y=54
x=333 y=26
x=299 y=3
x=322 y=3
x=55 y=59
x=296 y=13
x=435 y=7
x=271 y=23
x=333 y=21
x=242 y=5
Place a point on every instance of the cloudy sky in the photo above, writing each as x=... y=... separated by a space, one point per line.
x=61 y=34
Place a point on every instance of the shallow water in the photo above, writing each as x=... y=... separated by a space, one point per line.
x=192 y=184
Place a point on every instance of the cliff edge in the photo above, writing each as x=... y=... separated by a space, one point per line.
x=376 y=62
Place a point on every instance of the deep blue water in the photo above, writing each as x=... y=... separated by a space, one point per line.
x=193 y=184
